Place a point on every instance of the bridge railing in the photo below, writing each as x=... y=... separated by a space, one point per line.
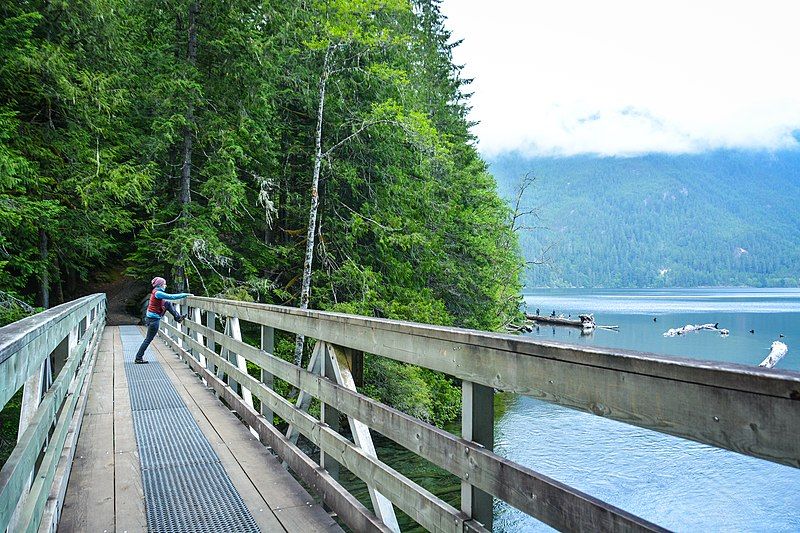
x=49 y=354
x=750 y=410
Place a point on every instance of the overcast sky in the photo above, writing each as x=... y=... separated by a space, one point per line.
x=625 y=77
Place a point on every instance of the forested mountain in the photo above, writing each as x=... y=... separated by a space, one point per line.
x=720 y=218
x=202 y=140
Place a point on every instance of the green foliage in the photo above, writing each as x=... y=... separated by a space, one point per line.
x=417 y=391
x=69 y=175
x=9 y=426
x=13 y=309
x=724 y=218
x=11 y=314
x=105 y=113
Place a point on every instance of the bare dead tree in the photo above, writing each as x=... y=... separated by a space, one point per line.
x=523 y=215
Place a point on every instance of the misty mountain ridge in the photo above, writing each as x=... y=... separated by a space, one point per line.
x=722 y=218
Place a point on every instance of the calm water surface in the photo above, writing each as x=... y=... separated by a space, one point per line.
x=675 y=483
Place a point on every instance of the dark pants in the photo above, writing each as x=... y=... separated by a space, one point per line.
x=171 y=308
x=152 y=331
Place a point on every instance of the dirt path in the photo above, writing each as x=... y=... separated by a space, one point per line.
x=122 y=293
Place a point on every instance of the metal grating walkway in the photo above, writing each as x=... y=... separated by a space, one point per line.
x=185 y=486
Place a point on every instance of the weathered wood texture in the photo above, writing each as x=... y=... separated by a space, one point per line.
x=129 y=507
x=26 y=343
x=337 y=369
x=105 y=489
x=53 y=508
x=777 y=352
x=91 y=502
x=24 y=346
x=351 y=511
x=749 y=410
x=548 y=500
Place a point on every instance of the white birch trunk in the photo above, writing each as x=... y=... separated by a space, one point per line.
x=305 y=290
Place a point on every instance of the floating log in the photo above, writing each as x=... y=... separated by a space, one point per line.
x=584 y=322
x=777 y=352
x=514 y=328
x=689 y=328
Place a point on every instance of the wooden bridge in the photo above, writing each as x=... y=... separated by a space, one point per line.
x=187 y=443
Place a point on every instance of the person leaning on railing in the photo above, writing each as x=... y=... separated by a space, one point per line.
x=159 y=304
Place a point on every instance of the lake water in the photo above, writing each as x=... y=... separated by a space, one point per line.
x=678 y=484
x=675 y=483
x=768 y=312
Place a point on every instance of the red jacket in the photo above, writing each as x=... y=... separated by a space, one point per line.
x=156 y=305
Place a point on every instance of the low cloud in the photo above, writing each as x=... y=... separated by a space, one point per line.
x=629 y=77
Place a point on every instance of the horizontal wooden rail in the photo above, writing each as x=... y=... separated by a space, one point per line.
x=428 y=510
x=358 y=517
x=550 y=501
x=26 y=343
x=751 y=410
x=66 y=336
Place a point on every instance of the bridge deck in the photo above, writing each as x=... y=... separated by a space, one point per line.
x=106 y=491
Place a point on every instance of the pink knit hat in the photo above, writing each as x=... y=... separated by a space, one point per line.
x=158 y=282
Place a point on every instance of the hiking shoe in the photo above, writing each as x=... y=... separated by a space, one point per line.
x=140 y=361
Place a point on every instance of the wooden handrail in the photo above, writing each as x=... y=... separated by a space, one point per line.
x=746 y=409
x=529 y=491
x=750 y=410
x=64 y=339
x=25 y=344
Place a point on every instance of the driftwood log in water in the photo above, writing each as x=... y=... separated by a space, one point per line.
x=777 y=352
x=585 y=321
x=688 y=328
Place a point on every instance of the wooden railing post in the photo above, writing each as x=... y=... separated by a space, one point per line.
x=32 y=393
x=183 y=326
x=477 y=425
x=211 y=323
x=339 y=364
x=268 y=345
x=233 y=329
x=303 y=402
x=329 y=416
x=178 y=326
x=197 y=316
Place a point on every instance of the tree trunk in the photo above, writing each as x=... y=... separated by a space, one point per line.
x=283 y=195
x=59 y=286
x=44 y=287
x=188 y=133
x=305 y=291
x=72 y=281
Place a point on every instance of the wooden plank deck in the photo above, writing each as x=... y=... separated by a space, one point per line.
x=105 y=488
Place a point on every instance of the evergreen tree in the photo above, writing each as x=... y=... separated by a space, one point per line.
x=286 y=152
